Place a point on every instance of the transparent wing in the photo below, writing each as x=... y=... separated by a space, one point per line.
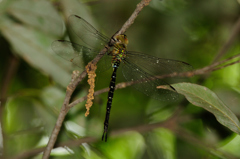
x=141 y=67
x=88 y=35
x=74 y=53
x=157 y=66
x=146 y=84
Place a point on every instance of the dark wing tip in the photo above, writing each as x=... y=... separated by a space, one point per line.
x=172 y=88
x=186 y=63
x=72 y=17
x=77 y=16
x=56 y=42
x=60 y=40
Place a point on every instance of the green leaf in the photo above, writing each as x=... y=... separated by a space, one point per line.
x=34 y=47
x=21 y=124
x=128 y=146
x=231 y=145
x=39 y=14
x=205 y=98
x=164 y=143
x=53 y=97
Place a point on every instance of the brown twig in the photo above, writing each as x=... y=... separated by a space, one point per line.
x=71 y=87
x=171 y=124
x=131 y=19
x=232 y=37
x=229 y=64
x=197 y=141
x=201 y=71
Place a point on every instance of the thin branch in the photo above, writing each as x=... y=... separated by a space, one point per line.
x=214 y=67
x=221 y=67
x=131 y=19
x=231 y=39
x=171 y=124
x=201 y=71
x=195 y=140
x=224 y=61
x=72 y=86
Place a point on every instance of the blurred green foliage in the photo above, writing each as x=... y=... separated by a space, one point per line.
x=34 y=78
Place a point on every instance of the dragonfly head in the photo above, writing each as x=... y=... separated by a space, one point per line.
x=121 y=39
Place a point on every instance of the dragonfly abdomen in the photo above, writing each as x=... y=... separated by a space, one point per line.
x=110 y=98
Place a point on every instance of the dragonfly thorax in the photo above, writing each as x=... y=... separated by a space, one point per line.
x=118 y=50
x=118 y=53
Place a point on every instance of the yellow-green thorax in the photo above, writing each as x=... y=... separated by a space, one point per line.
x=119 y=51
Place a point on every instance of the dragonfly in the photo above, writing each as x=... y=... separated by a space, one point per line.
x=139 y=67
